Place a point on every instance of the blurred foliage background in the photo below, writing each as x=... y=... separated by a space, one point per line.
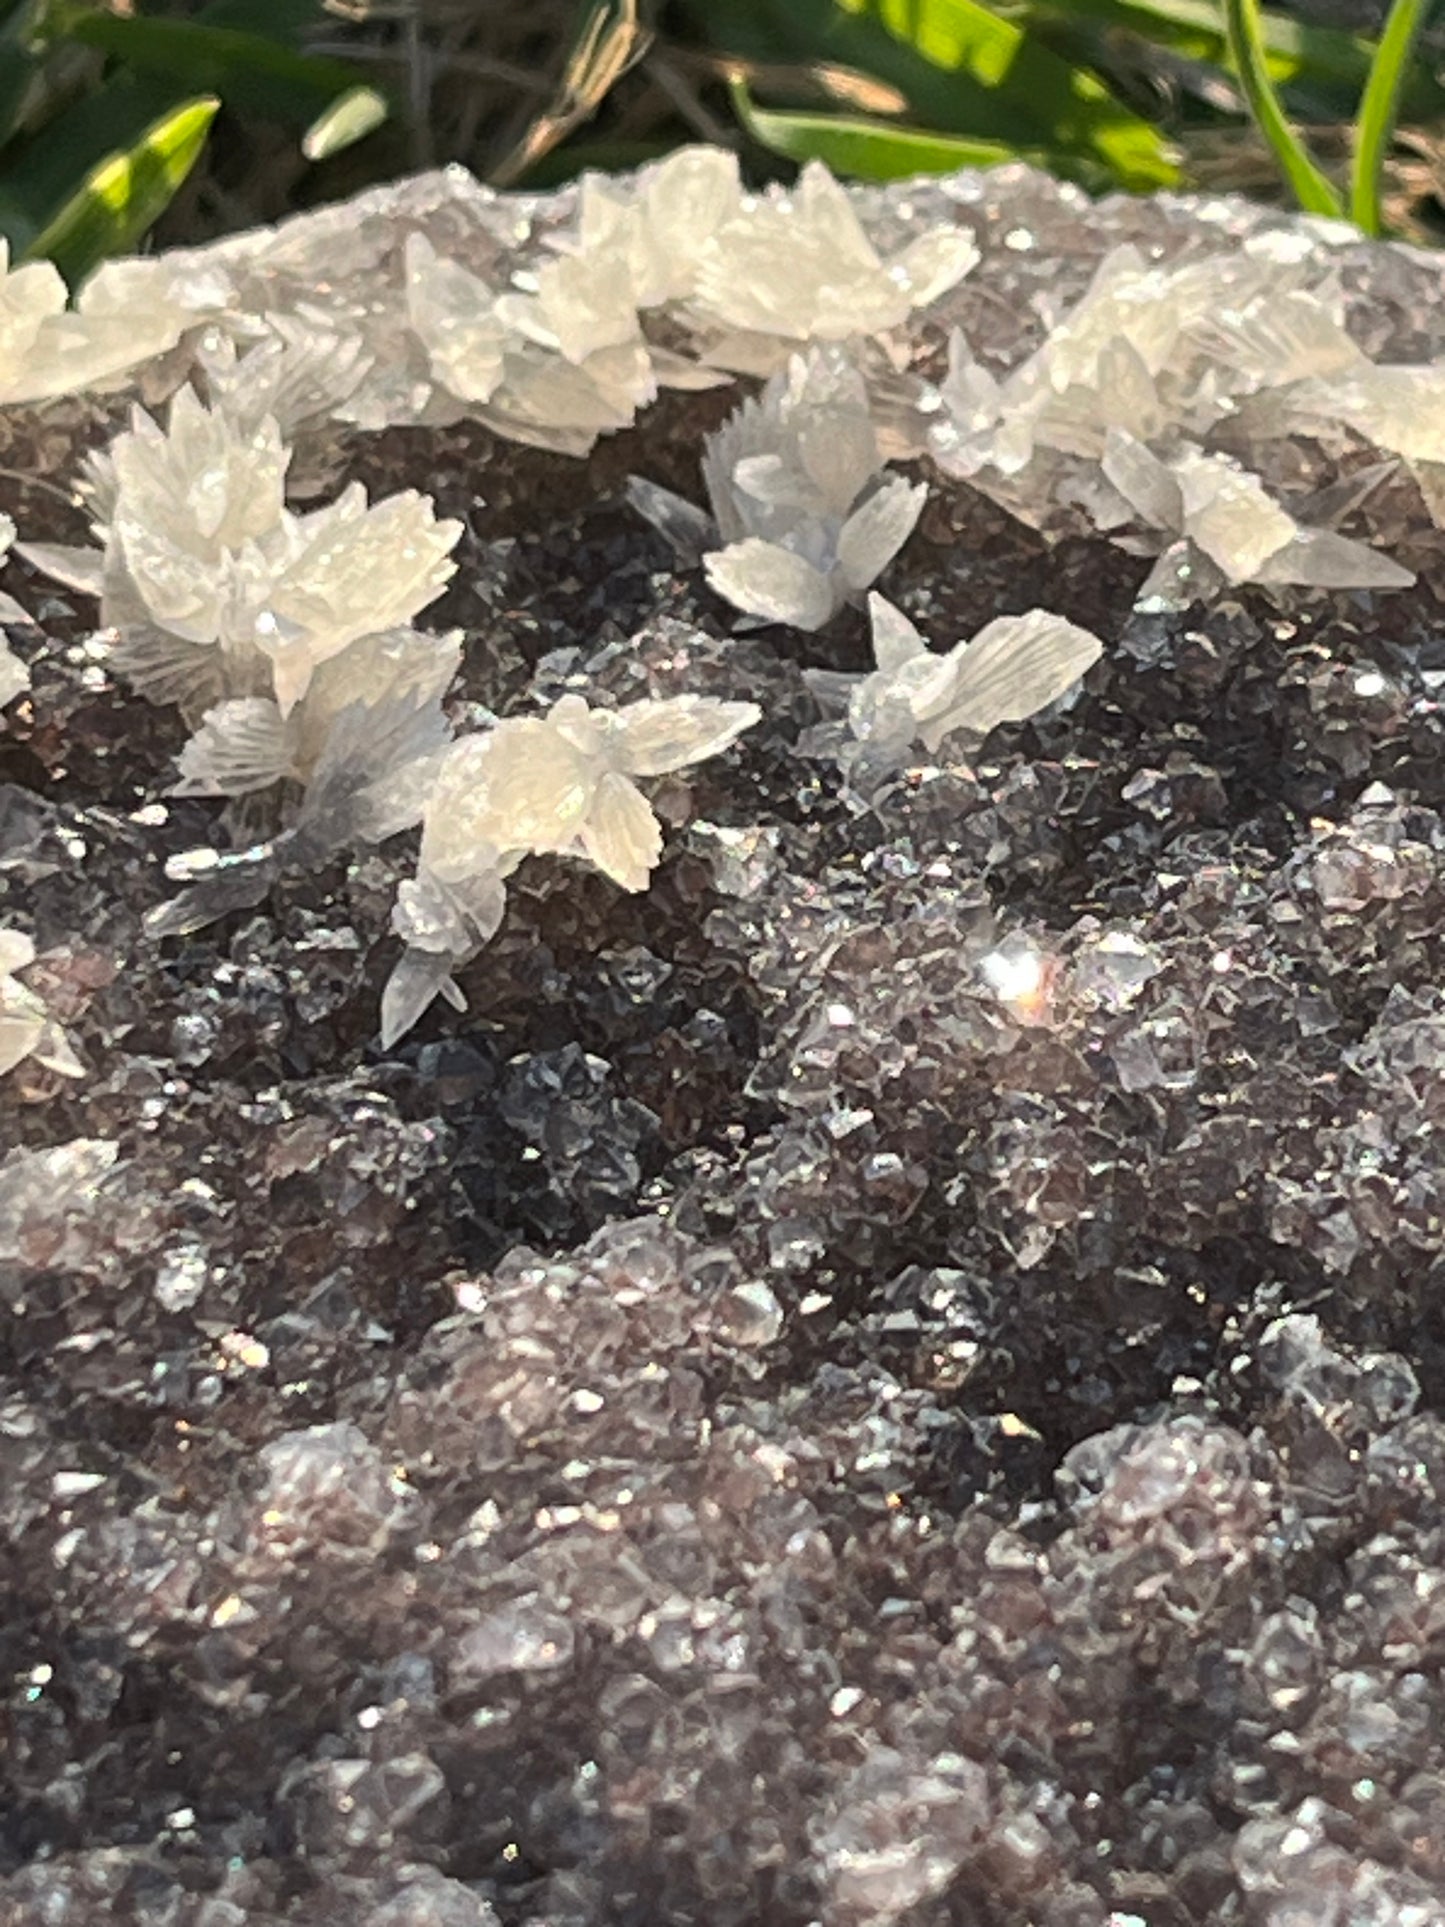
x=120 y=118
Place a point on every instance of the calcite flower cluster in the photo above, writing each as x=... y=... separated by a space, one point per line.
x=1139 y=373
x=1227 y=515
x=804 y=508
x=563 y=783
x=576 y=347
x=125 y=314
x=282 y=637
x=1013 y=668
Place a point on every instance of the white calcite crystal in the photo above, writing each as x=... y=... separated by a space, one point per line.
x=1145 y=349
x=664 y=226
x=14 y=676
x=371 y=714
x=215 y=589
x=1228 y=515
x=453 y=313
x=125 y=315
x=562 y=784
x=27 y=1029
x=298 y=371
x=1398 y=406
x=363 y=747
x=1014 y=667
x=557 y=366
x=806 y=511
x=560 y=356
x=789 y=268
x=564 y=352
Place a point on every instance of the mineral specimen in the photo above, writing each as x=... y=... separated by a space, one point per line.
x=892 y=1379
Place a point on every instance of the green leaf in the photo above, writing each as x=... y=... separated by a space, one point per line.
x=1068 y=107
x=250 y=71
x=129 y=191
x=1315 y=193
x=349 y=118
x=1294 y=50
x=1381 y=106
x=36 y=179
x=280 y=20
x=873 y=150
x=18 y=71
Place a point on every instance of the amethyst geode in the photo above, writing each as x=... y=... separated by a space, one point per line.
x=892 y=1379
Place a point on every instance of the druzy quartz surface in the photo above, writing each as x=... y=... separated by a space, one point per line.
x=892 y=1378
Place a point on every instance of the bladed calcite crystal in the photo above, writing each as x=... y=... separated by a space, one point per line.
x=892 y=1377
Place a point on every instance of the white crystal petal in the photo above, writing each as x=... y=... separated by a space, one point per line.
x=774 y=482
x=764 y=580
x=417 y=979
x=184 y=593
x=1146 y=483
x=837 y=450
x=453 y=313
x=54 y=1050
x=934 y=263
x=1014 y=667
x=876 y=531
x=660 y=736
x=826 y=210
x=589 y=303
x=622 y=835
x=1399 y=408
x=532 y=790
x=165 y=668
x=358 y=573
x=1320 y=559
x=1230 y=515
x=17 y=952
x=241 y=746
x=78 y=568
x=20 y=1031
x=895 y=640
x=14 y=677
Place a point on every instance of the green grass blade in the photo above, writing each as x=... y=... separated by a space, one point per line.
x=1381 y=106
x=872 y=150
x=1331 y=65
x=1068 y=107
x=961 y=69
x=126 y=194
x=250 y=71
x=39 y=174
x=1315 y=194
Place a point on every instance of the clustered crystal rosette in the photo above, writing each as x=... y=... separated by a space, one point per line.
x=1013 y=668
x=1140 y=372
x=286 y=637
x=562 y=784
